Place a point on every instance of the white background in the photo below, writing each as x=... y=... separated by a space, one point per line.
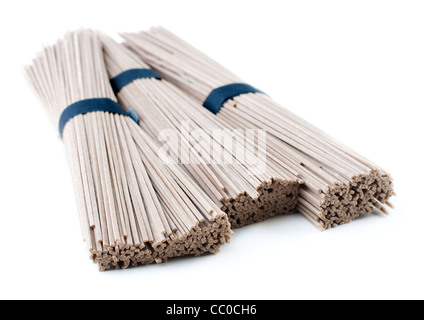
x=354 y=68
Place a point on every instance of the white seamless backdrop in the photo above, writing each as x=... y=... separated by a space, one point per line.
x=353 y=68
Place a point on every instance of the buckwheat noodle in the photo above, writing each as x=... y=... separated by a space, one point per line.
x=340 y=184
x=132 y=209
x=245 y=193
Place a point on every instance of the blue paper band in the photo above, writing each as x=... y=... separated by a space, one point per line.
x=92 y=105
x=129 y=76
x=219 y=96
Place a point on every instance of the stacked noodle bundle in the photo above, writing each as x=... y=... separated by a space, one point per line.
x=133 y=210
x=245 y=193
x=340 y=185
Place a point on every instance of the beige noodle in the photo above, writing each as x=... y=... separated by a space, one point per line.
x=246 y=194
x=132 y=209
x=340 y=184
